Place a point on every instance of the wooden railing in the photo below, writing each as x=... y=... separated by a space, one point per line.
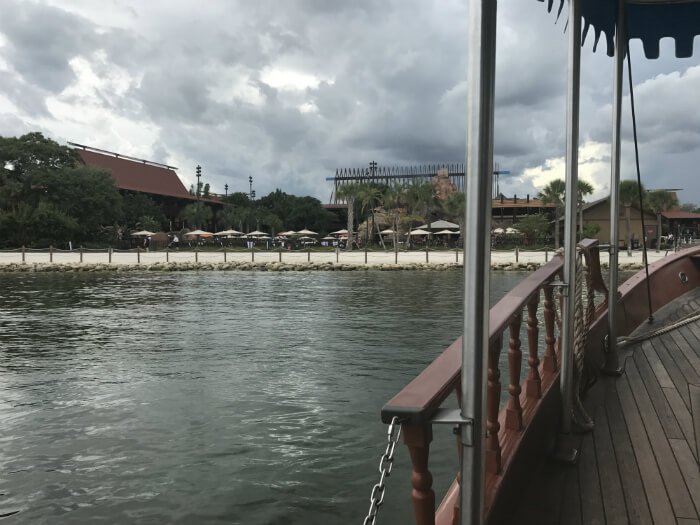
x=506 y=426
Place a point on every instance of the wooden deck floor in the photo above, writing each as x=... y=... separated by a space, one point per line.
x=640 y=464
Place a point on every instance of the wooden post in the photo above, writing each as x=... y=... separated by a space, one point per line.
x=308 y=254
x=51 y=253
x=167 y=254
x=426 y=251
x=252 y=254
x=517 y=254
x=279 y=254
x=533 y=385
x=23 y=254
x=514 y=412
x=546 y=255
x=224 y=253
x=417 y=439
x=109 y=254
x=196 y=254
x=365 y=254
x=396 y=252
x=457 y=255
x=550 y=357
x=493 y=401
x=81 y=254
x=138 y=255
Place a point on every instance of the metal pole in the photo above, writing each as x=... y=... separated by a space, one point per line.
x=477 y=252
x=565 y=451
x=612 y=364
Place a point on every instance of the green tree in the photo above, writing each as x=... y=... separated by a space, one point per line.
x=394 y=202
x=534 y=227
x=137 y=206
x=553 y=193
x=629 y=196
x=349 y=193
x=197 y=215
x=455 y=207
x=582 y=190
x=660 y=201
x=369 y=197
x=419 y=200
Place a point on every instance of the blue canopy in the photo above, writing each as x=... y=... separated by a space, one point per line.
x=648 y=20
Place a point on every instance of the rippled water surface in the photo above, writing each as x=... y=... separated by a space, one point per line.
x=213 y=397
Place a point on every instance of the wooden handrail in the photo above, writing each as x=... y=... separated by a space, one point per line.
x=421 y=398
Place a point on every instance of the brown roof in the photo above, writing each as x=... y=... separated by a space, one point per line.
x=519 y=203
x=137 y=176
x=680 y=214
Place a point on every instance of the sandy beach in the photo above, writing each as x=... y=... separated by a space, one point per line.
x=505 y=259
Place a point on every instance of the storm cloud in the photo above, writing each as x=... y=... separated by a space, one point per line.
x=288 y=91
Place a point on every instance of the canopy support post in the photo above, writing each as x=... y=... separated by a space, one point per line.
x=565 y=451
x=612 y=362
x=477 y=255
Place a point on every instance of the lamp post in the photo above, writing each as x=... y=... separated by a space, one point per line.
x=226 y=190
x=199 y=174
x=250 y=181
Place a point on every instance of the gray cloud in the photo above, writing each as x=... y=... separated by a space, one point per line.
x=380 y=81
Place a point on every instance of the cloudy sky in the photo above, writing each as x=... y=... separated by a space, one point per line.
x=289 y=90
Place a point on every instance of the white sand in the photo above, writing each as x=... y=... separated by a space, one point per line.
x=343 y=257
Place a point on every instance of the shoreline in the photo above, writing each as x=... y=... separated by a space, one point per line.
x=176 y=261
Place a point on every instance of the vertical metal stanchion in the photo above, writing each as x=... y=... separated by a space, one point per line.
x=51 y=253
x=477 y=248
x=565 y=451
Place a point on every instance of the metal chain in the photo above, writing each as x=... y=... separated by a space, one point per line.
x=386 y=463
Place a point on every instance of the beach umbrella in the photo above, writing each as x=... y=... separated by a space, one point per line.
x=256 y=233
x=143 y=233
x=199 y=233
x=512 y=230
x=498 y=231
x=306 y=232
x=445 y=232
x=328 y=239
x=419 y=232
x=340 y=232
x=388 y=231
x=229 y=232
x=288 y=234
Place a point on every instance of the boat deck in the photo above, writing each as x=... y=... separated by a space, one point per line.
x=640 y=464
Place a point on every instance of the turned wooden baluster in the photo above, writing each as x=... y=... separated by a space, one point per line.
x=550 y=357
x=533 y=385
x=493 y=401
x=417 y=439
x=514 y=412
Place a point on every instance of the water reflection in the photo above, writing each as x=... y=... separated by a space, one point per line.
x=207 y=397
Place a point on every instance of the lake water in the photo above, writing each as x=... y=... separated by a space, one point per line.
x=214 y=397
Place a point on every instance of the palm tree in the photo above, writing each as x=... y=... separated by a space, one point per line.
x=197 y=214
x=419 y=199
x=582 y=189
x=629 y=195
x=394 y=200
x=369 y=196
x=660 y=201
x=455 y=206
x=349 y=193
x=553 y=193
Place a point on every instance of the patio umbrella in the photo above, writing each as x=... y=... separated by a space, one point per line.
x=199 y=233
x=445 y=232
x=388 y=231
x=419 y=232
x=143 y=233
x=498 y=231
x=306 y=232
x=288 y=234
x=512 y=230
x=229 y=232
x=328 y=239
x=340 y=232
x=256 y=233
